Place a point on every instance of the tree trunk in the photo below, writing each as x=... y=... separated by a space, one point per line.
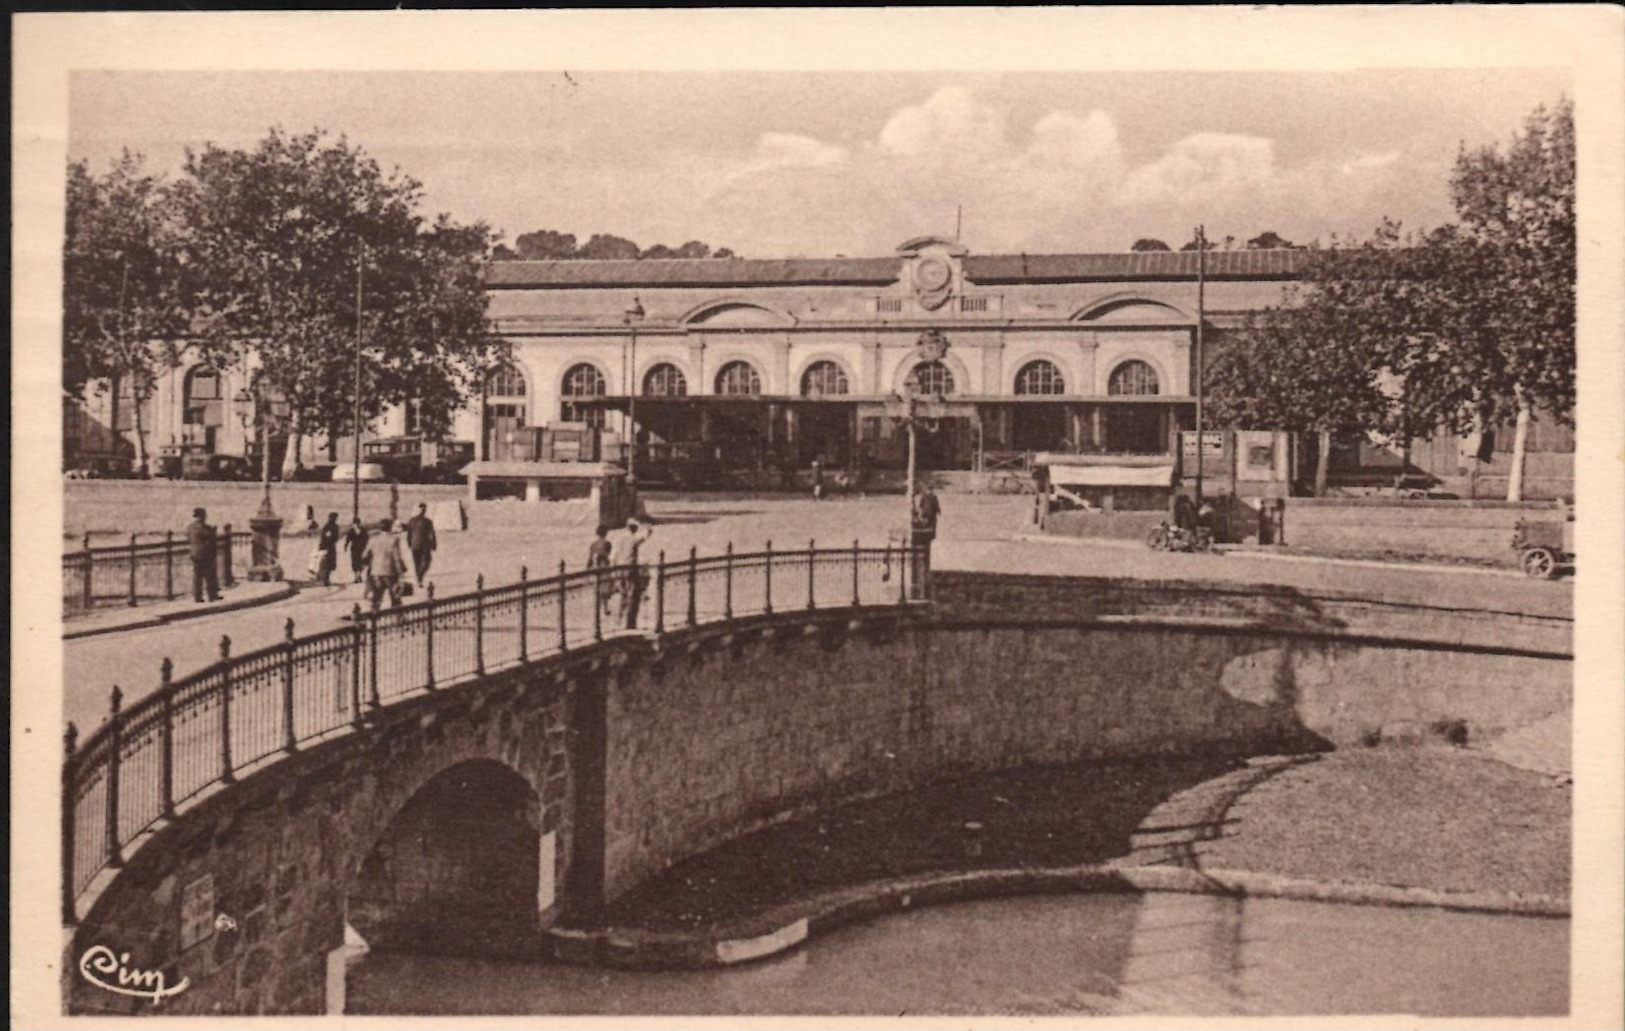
x=1323 y=458
x=290 y=457
x=1520 y=438
x=140 y=432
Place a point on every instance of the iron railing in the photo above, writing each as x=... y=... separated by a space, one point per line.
x=137 y=572
x=245 y=711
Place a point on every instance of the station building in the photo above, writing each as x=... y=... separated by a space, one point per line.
x=742 y=371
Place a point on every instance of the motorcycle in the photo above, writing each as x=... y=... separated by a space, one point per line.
x=1168 y=536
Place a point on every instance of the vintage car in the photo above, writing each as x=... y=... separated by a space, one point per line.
x=1545 y=547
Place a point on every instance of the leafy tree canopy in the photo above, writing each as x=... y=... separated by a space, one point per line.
x=548 y=245
x=1149 y=244
x=274 y=238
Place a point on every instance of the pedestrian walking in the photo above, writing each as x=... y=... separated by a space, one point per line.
x=817 y=480
x=386 y=564
x=633 y=577
x=923 y=527
x=355 y=543
x=598 y=557
x=420 y=540
x=200 y=546
x=327 y=545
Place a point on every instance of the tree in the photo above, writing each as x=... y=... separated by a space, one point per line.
x=723 y=252
x=1269 y=240
x=1515 y=272
x=1211 y=244
x=602 y=247
x=1148 y=244
x=1303 y=366
x=694 y=249
x=123 y=316
x=659 y=250
x=544 y=245
x=274 y=239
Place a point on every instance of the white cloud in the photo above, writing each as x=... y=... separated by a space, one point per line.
x=1202 y=164
x=950 y=123
x=791 y=150
x=1367 y=161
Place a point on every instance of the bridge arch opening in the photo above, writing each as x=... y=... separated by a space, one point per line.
x=457 y=869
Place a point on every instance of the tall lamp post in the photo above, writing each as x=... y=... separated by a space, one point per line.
x=631 y=318
x=258 y=407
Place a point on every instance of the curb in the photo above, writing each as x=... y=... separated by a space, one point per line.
x=782 y=928
x=147 y=622
x=1231 y=551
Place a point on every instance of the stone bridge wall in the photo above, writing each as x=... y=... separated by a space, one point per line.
x=635 y=754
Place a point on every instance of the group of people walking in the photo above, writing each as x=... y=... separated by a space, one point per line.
x=622 y=589
x=382 y=557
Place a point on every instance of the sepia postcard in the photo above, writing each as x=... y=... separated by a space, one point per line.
x=939 y=517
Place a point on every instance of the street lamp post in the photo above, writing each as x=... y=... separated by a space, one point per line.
x=266 y=525
x=632 y=317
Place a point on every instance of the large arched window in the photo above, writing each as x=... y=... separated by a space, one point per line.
x=665 y=380
x=739 y=378
x=824 y=378
x=1040 y=377
x=506 y=408
x=932 y=378
x=582 y=381
x=1132 y=378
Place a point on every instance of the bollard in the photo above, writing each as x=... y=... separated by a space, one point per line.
x=115 y=745
x=224 y=571
x=90 y=563
x=70 y=741
x=290 y=741
x=226 y=773
x=428 y=649
x=597 y=602
x=693 y=567
x=855 y=559
x=166 y=698
x=564 y=640
x=728 y=581
x=479 y=624
x=524 y=613
x=355 y=664
x=767 y=576
x=660 y=593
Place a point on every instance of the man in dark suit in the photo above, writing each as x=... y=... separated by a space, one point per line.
x=420 y=540
x=200 y=545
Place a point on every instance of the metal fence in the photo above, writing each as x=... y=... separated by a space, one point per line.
x=245 y=711
x=129 y=574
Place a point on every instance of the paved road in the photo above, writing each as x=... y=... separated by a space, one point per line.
x=976 y=534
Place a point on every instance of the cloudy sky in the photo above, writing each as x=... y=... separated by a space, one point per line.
x=780 y=164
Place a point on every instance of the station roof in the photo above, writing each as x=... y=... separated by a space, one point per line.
x=982 y=269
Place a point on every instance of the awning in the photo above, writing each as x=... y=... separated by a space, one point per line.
x=1112 y=475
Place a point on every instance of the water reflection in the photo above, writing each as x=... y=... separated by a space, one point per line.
x=1054 y=955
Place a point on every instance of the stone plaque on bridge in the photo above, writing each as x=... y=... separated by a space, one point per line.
x=197 y=911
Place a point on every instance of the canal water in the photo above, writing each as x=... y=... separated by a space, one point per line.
x=1159 y=953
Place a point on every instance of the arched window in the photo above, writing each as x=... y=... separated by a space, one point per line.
x=738 y=378
x=1040 y=377
x=505 y=381
x=665 y=380
x=582 y=381
x=1132 y=378
x=824 y=378
x=933 y=378
x=506 y=409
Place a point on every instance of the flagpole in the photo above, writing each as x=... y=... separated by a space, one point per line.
x=1201 y=317
x=355 y=470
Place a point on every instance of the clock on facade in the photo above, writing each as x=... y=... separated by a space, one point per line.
x=932 y=279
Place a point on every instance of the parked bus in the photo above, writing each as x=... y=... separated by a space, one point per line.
x=413 y=459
